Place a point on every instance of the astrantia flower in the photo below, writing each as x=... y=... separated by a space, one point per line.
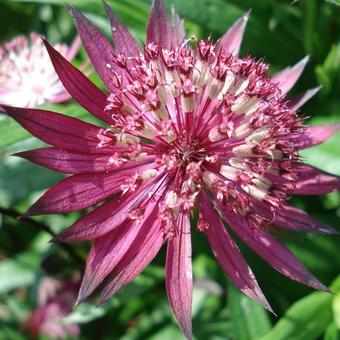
x=189 y=130
x=27 y=76
x=56 y=300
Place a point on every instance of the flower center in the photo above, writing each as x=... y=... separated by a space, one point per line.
x=205 y=118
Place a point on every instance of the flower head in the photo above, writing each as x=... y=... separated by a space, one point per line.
x=27 y=77
x=56 y=300
x=189 y=129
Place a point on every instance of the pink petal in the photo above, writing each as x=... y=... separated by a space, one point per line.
x=68 y=162
x=314 y=135
x=74 y=48
x=291 y=218
x=159 y=29
x=74 y=163
x=78 y=192
x=312 y=181
x=272 y=251
x=123 y=41
x=97 y=46
x=177 y=28
x=137 y=258
x=232 y=39
x=59 y=130
x=296 y=219
x=287 y=78
x=76 y=83
x=109 y=216
x=179 y=274
x=109 y=249
x=295 y=103
x=228 y=254
x=60 y=97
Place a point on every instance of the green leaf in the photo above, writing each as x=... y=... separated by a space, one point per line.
x=249 y=320
x=328 y=72
x=19 y=271
x=334 y=2
x=8 y=333
x=307 y=318
x=87 y=312
x=332 y=332
x=11 y=132
x=336 y=311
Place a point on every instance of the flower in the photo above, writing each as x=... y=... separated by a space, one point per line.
x=189 y=131
x=27 y=77
x=56 y=300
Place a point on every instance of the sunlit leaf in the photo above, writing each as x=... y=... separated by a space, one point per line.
x=249 y=320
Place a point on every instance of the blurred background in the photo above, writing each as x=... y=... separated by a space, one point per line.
x=281 y=32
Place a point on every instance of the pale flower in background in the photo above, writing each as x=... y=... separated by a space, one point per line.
x=27 y=77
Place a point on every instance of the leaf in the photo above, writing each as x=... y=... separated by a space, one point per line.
x=307 y=318
x=218 y=15
x=336 y=311
x=332 y=332
x=328 y=72
x=86 y=312
x=326 y=155
x=18 y=272
x=249 y=320
x=7 y=332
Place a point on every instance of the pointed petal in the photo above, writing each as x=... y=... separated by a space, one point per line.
x=109 y=249
x=138 y=257
x=74 y=48
x=159 y=29
x=123 y=41
x=228 y=254
x=177 y=28
x=109 y=216
x=312 y=181
x=59 y=130
x=60 y=97
x=77 y=192
x=77 y=163
x=97 y=46
x=232 y=39
x=179 y=274
x=76 y=83
x=314 y=135
x=287 y=78
x=296 y=102
x=291 y=218
x=69 y=162
x=296 y=219
x=272 y=251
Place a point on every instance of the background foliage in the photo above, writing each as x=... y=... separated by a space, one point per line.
x=283 y=33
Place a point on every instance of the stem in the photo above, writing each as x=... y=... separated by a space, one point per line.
x=41 y=226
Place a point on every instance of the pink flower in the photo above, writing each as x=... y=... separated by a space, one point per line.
x=188 y=130
x=27 y=76
x=56 y=300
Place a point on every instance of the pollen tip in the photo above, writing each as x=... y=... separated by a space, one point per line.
x=70 y=8
x=247 y=15
x=34 y=210
x=62 y=237
x=303 y=62
x=30 y=212
x=78 y=301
